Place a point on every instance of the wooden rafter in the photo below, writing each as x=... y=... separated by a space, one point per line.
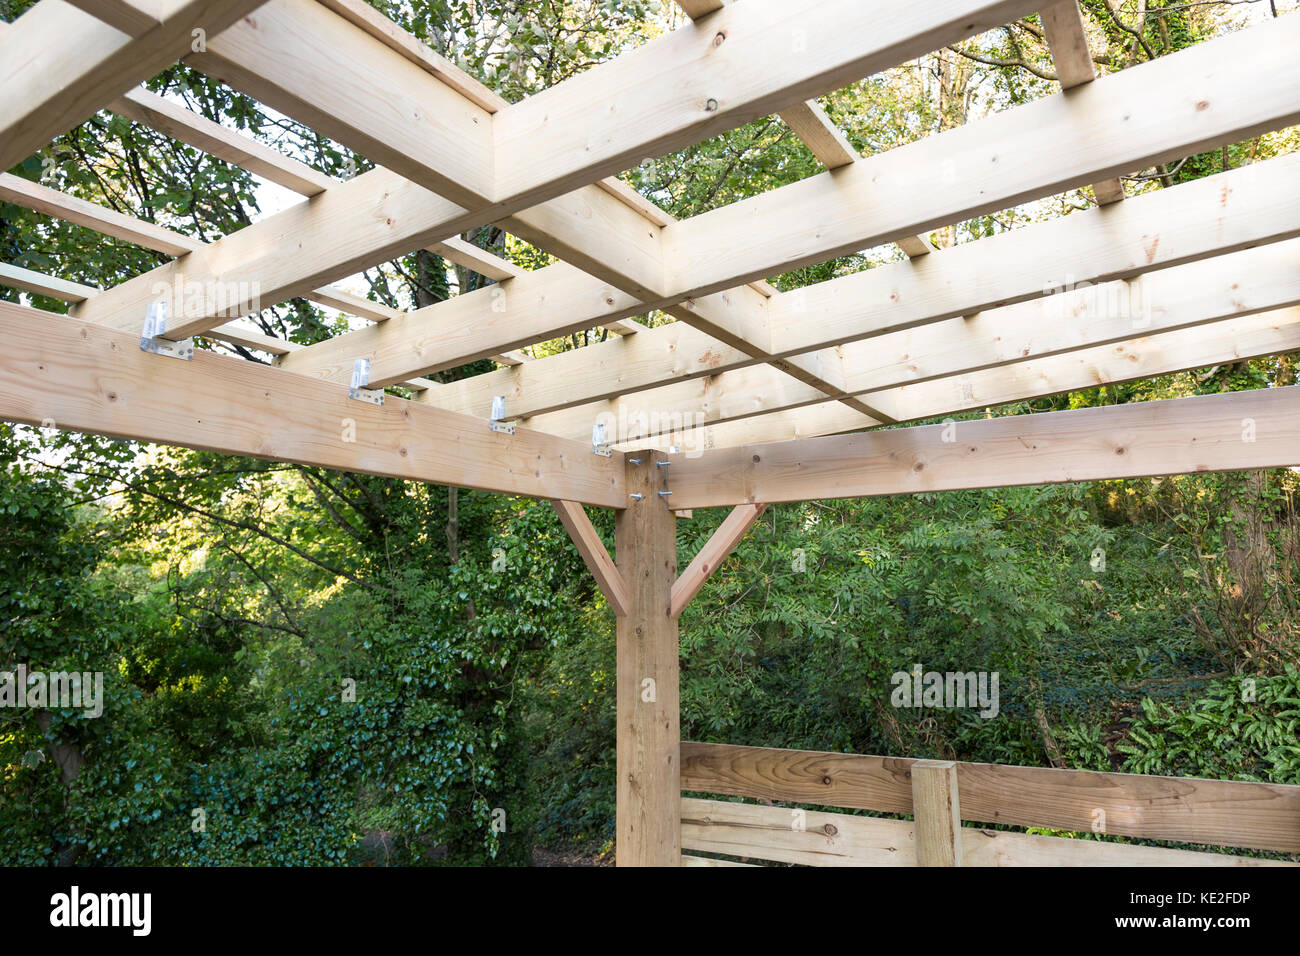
x=59 y=64
x=1074 y=320
x=1068 y=41
x=1192 y=221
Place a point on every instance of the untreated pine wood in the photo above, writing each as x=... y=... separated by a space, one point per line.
x=58 y=64
x=891 y=369
x=1068 y=42
x=648 y=788
x=1192 y=221
x=90 y=378
x=1180 y=809
x=1239 y=430
x=587 y=540
x=720 y=544
x=1275 y=332
x=936 y=807
x=815 y=838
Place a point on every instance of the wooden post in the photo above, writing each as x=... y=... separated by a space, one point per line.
x=649 y=829
x=937 y=813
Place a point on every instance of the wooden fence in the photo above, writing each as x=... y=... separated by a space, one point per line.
x=939 y=795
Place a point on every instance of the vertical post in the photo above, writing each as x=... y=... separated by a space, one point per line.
x=937 y=813
x=649 y=828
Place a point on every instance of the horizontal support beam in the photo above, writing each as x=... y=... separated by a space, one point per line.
x=1235 y=431
x=1176 y=105
x=838 y=839
x=86 y=377
x=1077 y=318
x=1177 y=809
x=1218 y=214
x=16 y=277
x=1230 y=340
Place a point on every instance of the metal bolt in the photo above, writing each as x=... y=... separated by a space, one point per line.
x=664 y=494
x=636 y=497
x=710 y=105
x=635 y=461
x=662 y=464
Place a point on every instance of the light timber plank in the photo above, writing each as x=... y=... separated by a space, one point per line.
x=16 y=277
x=478 y=260
x=594 y=556
x=235 y=148
x=1068 y=41
x=1176 y=809
x=87 y=377
x=51 y=202
x=420 y=128
x=59 y=65
x=1174 y=105
x=811 y=124
x=1176 y=436
x=700 y=80
x=1192 y=221
x=132 y=17
x=723 y=541
x=1075 y=320
x=837 y=839
x=936 y=807
x=648 y=789
x=1233 y=340
x=688 y=860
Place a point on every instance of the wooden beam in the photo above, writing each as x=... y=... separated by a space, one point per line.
x=1218 y=214
x=587 y=540
x=1232 y=340
x=1241 y=430
x=51 y=202
x=648 y=786
x=1177 y=809
x=1177 y=104
x=17 y=277
x=810 y=123
x=1068 y=42
x=1074 y=320
x=132 y=17
x=722 y=542
x=58 y=64
x=176 y=121
x=87 y=377
x=838 y=839
x=937 y=811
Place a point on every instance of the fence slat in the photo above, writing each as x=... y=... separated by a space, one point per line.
x=1263 y=816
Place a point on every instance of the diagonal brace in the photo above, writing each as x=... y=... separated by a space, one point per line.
x=714 y=552
x=594 y=555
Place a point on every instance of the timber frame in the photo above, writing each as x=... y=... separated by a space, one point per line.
x=752 y=396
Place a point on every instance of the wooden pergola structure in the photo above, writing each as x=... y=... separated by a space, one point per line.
x=752 y=396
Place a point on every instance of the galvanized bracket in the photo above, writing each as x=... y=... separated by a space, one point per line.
x=360 y=379
x=496 y=422
x=599 y=446
x=152 y=335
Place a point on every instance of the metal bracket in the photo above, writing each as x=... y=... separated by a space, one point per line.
x=599 y=446
x=151 y=336
x=360 y=379
x=495 y=422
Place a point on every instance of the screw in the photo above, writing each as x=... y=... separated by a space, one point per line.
x=636 y=497
x=710 y=105
x=662 y=464
x=663 y=494
x=635 y=461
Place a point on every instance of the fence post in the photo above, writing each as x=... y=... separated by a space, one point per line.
x=937 y=813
